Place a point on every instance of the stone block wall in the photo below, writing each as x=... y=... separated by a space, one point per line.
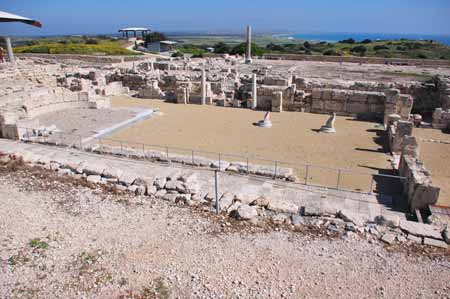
x=30 y=104
x=418 y=188
x=347 y=102
x=398 y=132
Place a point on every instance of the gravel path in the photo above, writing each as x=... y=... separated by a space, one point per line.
x=60 y=238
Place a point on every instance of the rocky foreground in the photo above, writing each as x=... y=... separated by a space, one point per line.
x=67 y=238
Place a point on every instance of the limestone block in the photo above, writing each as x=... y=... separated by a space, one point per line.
x=356 y=108
x=316 y=93
x=358 y=97
x=327 y=94
x=340 y=95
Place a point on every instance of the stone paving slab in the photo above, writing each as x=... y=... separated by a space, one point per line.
x=249 y=188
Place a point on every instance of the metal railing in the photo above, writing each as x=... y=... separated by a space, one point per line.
x=305 y=173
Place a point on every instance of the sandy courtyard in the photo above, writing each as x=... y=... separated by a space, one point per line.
x=291 y=139
x=436 y=157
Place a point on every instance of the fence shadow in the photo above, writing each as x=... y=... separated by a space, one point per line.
x=389 y=188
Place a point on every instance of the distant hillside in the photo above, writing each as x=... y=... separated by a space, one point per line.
x=413 y=49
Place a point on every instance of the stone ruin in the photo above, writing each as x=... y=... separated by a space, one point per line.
x=32 y=88
x=230 y=82
x=419 y=190
x=441 y=119
x=39 y=85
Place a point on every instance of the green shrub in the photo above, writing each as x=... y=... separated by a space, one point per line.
x=348 y=41
x=177 y=54
x=380 y=47
x=91 y=42
x=331 y=52
x=241 y=48
x=422 y=56
x=359 y=49
x=221 y=48
x=274 y=47
x=366 y=41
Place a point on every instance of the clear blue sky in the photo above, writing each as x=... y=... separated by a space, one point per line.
x=106 y=16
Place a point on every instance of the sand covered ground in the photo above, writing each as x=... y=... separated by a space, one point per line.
x=436 y=157
x=293 y=138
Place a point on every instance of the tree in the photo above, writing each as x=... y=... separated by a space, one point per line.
x=359 y=49
x=155 y=37
x=331 y=52
x=221 y=48
x=380 y=47
x=241 y=48
x=91 y=41
x=307 y=45
x=367 y=41
x=348 y=41
x=274 y=47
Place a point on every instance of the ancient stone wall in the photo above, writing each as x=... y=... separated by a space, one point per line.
x=398 y=133
x=347 y=102
x=418 y=188
x=365 y=60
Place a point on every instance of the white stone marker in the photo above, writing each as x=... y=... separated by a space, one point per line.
x=329 y=126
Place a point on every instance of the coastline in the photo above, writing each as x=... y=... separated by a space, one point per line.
x=334 y=37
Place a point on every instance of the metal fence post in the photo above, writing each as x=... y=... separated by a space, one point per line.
x=275 y=171
x=143 y=150
x=193 y=158
x=219 y=161
x=217 y=192
x=61 y=138
x=28 y=136
x=81 y=142
x=338 y=179
x=307 y=174
x=121 y=148
x=248 y=172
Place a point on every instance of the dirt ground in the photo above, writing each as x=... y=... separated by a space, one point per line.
x=436 y=157
x=293 y=138
x=60 y=239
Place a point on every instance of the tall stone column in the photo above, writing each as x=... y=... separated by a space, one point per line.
x=248 y=53
x=10 y=50
x=203 y=87
x=254 y=92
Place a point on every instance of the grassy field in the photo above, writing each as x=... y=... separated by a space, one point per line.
x=76 y=45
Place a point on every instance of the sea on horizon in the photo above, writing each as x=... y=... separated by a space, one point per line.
x=335 y=37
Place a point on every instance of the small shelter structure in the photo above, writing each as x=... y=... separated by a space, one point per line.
x=6 y=17
x=161 y=46
x=134 y=31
